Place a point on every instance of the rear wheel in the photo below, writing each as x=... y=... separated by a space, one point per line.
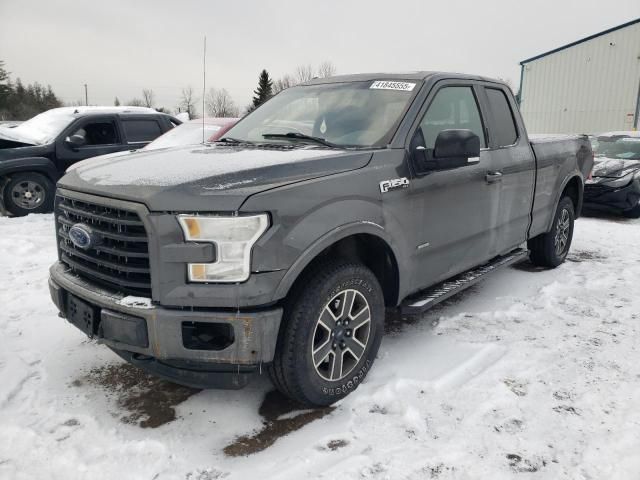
x=551 y=248
x=28 y=193
x=332 y=329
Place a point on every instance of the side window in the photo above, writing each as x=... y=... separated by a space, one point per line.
x=504 y=131
x=141 y=130
x=98 y=133
x=452 y=108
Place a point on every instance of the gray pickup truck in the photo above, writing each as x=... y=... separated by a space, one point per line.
x=282 y=244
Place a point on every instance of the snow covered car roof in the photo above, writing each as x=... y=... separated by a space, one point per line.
x=94 y=110
x=630 y=133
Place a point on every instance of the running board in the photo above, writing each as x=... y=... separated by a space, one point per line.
x=426 y=299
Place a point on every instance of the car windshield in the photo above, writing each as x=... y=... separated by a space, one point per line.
x=42 y=128
x=623 y=148
x=355 y=114
x=185 y=134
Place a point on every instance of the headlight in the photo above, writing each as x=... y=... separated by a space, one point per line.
x=622 y=181
x=233 y=237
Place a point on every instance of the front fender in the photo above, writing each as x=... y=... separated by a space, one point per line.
x=325 y=241
x=30 y=164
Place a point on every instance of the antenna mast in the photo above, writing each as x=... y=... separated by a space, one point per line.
x=204 y=82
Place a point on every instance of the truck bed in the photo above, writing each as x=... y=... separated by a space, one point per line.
x=556 y=156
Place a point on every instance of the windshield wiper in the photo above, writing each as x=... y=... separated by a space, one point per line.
x=302 y=136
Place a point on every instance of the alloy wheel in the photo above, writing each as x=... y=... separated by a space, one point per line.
x=341 y=335
x=28 y=194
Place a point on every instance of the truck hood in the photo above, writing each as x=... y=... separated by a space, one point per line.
x=613 y=167
x=206 y=177
x=9 y=136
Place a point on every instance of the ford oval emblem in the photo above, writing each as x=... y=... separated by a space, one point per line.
x=82 y=236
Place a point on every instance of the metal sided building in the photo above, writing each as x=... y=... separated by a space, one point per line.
x=588 y=86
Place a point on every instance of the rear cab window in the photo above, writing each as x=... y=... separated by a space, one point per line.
x=141 y=130
x=504 y=132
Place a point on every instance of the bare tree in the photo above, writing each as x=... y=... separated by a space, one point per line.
x=188 y=101
x=135 y=102
x=326 y=69
x=304 y=73
x=283 y=83
x=220 y=104
x=148 y=97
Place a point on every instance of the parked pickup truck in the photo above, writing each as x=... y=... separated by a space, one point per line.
x=280 y=245
x=36 y=153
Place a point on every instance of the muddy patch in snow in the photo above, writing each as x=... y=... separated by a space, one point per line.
x=148 y=401
x=281 y=417
x=527 y=266
x=579 y=256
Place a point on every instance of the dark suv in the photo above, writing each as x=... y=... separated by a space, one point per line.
x=36 y=153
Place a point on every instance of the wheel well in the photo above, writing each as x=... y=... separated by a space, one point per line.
x=371 y=251
x=573 y=190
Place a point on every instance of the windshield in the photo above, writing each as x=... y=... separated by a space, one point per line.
x=185 y=134
x=42 y=128
x=356 y=114
x=623 y=148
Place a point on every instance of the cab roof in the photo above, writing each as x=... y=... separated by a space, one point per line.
x=416 y=76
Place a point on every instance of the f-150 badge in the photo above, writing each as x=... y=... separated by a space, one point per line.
x=394 y=183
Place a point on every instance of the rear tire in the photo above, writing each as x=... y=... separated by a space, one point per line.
x=550 y=249
x=332 y=329
x=28 y=193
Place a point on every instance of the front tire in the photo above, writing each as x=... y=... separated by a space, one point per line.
x=28 y=193
x=332 y=329
x=550 y=249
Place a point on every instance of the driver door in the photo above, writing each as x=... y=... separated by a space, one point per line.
x=101 y=136
x=457 y=207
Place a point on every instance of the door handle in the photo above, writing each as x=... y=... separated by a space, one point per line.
x=492 y=177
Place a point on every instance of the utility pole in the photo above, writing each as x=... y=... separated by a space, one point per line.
x=86 y=95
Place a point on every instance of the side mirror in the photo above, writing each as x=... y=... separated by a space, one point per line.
x=76 y=141
x=453 y=149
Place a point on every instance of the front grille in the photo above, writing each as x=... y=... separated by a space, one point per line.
x=120 y=261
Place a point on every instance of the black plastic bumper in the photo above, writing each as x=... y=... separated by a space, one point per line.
x=603 y=197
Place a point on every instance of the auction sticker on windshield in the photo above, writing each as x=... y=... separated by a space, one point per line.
x=386 y=85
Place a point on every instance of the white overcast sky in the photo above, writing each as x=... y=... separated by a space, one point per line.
x=119 y=47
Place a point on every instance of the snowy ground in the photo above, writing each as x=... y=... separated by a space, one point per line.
x=531 y=374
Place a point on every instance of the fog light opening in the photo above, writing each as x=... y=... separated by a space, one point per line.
x=207 y=336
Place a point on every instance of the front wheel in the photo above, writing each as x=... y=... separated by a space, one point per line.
x=332 y=328
x=550 y=249
x=28 y=193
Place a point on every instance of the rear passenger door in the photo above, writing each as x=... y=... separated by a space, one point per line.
x=513 y=165
x=139 y=130
x=455 y=209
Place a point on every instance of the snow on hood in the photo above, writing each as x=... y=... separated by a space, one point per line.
x=205 y=177
x=184 y=165
x=613 y=167
x=15 y=136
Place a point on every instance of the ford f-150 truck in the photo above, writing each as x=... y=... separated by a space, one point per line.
x=282 y=244
x=36 y=153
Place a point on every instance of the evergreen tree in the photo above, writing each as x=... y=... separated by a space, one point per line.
x=264 y=90
x=116 y=102
x=5 y=83
x=19 y=102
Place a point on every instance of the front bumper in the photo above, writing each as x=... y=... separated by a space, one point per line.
x=602 y=196
x=159 y=336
